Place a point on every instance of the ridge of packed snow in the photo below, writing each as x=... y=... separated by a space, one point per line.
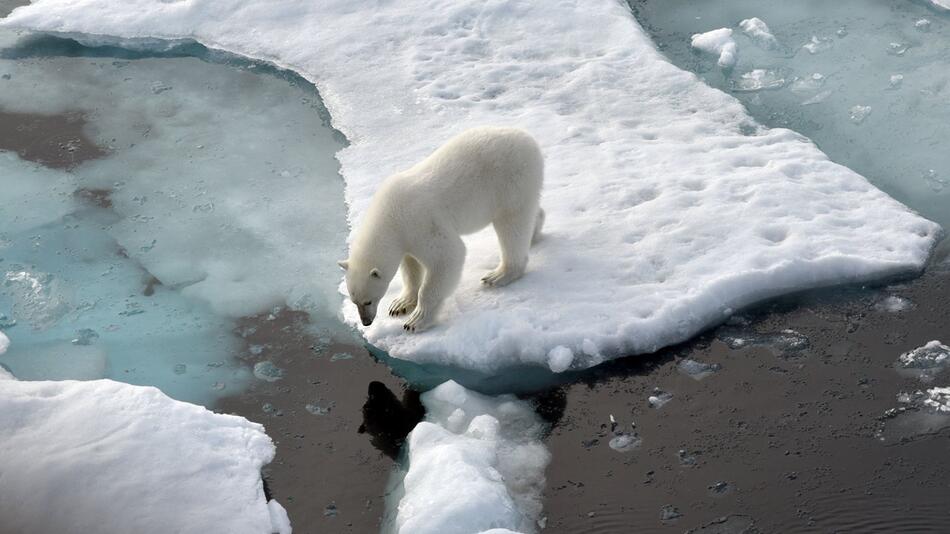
x=107 y=457
x=667 y=207
x=719 y=43
x=487 y=450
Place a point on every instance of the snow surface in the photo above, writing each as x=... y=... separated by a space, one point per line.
x=486 y=451
x=107 y=457
x=719 y=43
x=667 y=206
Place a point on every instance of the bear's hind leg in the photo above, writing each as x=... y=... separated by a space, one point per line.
x=412 y=273
x=515 y=232
x=538 y=225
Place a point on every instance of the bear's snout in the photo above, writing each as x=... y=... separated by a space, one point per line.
x=367 y=314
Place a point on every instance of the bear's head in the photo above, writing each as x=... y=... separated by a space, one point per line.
x=366 y=285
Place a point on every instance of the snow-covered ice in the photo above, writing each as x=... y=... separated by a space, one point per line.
x=112 y=458
x=719 y=43
x=476 y=463
x=667 y=205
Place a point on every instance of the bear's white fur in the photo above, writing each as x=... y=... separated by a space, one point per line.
x=483 y=176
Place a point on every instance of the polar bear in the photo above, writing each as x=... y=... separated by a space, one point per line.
x=487 y=175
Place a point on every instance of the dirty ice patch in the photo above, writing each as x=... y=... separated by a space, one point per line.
x=112 y=458
x=719 y=43
x=486 y=451
x=668 y=207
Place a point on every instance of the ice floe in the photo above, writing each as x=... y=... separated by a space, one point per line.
x=112 y=458
x=667 y=206
x=719 y=43
x=476 y=463
x=759 y=32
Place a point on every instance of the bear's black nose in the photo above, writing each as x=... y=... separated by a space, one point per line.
x=366 y=322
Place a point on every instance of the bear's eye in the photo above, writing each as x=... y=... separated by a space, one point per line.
x=368 y=303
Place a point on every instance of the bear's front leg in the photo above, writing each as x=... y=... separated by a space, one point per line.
x=412 y=273
x=442 y=261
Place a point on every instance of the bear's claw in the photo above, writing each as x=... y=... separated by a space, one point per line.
x=500 y=277
x=417 y=321
x=401 y=306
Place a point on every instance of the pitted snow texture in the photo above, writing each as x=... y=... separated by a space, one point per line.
x=667 y=207
x=111 y=458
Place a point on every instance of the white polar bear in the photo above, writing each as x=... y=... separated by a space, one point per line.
x=483 y=176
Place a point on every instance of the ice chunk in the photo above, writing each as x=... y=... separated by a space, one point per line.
x=816 y=44
x=817 y=99
x=37 y=297
x=897 y=49
x=267 y=371
x=895 y=81
x=719 y=43
x=112 y=458
x=667 y=163
x=697 y=370
x=893 y=304
x=659 y=398
x=4 y=342
x=941 y=4
x=808 y=84
x=759 y=32
x=933 y=355
x=922 y=25
x=758 y=80
x=859 y=113
x=560 y=358
x=487 y=450
x=938 y=399
x=624 y=442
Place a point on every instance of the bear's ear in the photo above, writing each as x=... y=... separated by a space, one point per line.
x=344 y=264
x=375 y=273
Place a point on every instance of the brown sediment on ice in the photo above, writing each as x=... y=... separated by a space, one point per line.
x=55 y=141
x=334 y=459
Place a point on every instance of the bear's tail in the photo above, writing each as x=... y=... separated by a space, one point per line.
x=538 y=225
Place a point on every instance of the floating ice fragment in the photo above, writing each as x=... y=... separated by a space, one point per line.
x=330 y=510
x=922 y=25
x=720 y=487
x=316 y=409
x=4 y=342
x=896 y=80
x=266 y=370
x=893 y=304
x=6 y=321
x=659 y=398
x=85 y=336
x=859 y=113
x=717 y=42
x=341 y=356
x=758 y=80
x=785 y=342
x=759 y=32
x=37 y=297
x=938 y=399
x=686 y=458
x=818 y=44
x=669 y=513
x=933 y=355
x=842 y=32
x=269 y=408
x=696 y=369
x=624 y=442
x=818 y=98
x=180 y=369
x=897 y=49
x=808 y=83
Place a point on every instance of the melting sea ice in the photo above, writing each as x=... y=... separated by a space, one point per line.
x=170 y=207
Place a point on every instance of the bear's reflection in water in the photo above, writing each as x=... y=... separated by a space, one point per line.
x=389 y=420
